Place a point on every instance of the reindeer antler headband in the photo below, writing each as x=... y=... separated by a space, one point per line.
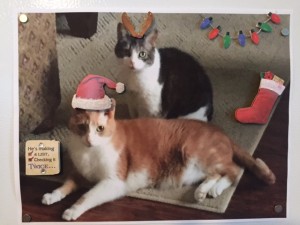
x=148 y=21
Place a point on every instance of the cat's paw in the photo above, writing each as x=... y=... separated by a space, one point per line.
x=215 y=191
x=50 y=198
x=71 y=214
x=219 y=187
x=200 y=195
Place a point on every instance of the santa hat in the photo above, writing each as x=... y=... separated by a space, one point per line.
x=91 y=95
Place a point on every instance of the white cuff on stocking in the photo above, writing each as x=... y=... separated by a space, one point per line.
x=272 y=85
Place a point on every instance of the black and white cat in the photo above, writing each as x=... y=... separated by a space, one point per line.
x=165 y=82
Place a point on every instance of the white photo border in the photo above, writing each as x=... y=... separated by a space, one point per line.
x=11 y=211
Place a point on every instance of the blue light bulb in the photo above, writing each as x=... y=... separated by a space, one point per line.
x=206 y=23
x=242 y=39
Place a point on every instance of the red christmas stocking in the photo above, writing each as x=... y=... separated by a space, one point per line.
x=262 y=105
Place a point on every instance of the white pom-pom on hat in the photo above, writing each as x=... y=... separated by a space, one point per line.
x=120 y=87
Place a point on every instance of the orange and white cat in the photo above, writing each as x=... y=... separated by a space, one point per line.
x=121 y=156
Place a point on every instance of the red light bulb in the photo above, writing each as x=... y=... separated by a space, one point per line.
x=274 y=18
x=254 y=37
x=214 y=33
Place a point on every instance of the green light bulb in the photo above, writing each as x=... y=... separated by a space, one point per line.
x=227 y=40
x=265 y=27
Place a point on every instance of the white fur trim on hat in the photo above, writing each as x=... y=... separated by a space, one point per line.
x=272 y=85
x=91 y=104
x=120 y=87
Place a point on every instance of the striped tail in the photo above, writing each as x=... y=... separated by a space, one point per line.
x=256 y=166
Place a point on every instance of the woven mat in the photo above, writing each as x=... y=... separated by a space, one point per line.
x=234 y=73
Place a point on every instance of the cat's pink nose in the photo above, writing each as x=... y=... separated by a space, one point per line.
x=86 y=141
x=131 y=65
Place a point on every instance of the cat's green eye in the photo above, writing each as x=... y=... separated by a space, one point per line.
x=142 y=55
x=100 y=129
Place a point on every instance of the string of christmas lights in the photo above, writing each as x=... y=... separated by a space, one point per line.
x=241 y=37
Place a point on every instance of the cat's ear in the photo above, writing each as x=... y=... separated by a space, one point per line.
x=112 y=110
x=79 y=117
x=121 y=31
x=151 y=37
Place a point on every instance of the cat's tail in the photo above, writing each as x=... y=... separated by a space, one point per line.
x=257 y=166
